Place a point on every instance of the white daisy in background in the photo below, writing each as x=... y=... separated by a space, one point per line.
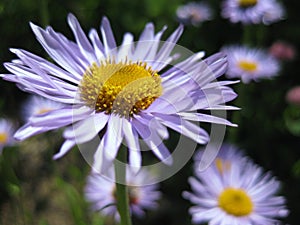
x=7 y=131
x=194 y=13
x=123 y=93
x=100 y=192
x=235 y=191
x=250 y=63
x=252 y=11
x=37 y=105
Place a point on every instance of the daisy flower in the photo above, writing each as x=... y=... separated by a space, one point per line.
x=37 y=105
x=233 y=190
x=122 y=93
x=250 y=63
x=6 y=133
x=252 y=11
x=194 y=13
x=100 y=192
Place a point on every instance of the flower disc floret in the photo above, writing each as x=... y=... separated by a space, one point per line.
x=235 y=202
x=247 y=65
x=247 y=3
x=123 y=88
x=3 y=138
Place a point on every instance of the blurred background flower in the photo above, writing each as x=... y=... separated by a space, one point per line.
x=234 y=190
x=7 y=130
x=100 y=192
x=282 y=50
x=194 y=13
x=250 y=63
x=252 y=11
x=37 y=105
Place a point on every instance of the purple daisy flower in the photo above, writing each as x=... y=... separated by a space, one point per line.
x=194 y=13
x=252 y=11
x=250 y=63
x=123 y=93
x=233 y=190
x=37 y=105
x=100 y=192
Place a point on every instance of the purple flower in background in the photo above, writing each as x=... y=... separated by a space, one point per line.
x=233 y=190
x=194 y=13
x=37 y=105
x=250 y=63
x=6 y=133
x=124 y=93
x=100 y=192
x=252 y=11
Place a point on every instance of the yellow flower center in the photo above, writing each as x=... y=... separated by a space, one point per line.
x=247 y=3
x=235 y=202
x=222 y=165
x=3 y=138
x=123 y=88
x=248 y=66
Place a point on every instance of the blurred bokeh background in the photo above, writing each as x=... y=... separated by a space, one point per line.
x=34 y=189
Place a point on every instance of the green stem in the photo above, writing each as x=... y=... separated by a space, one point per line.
x=121 y=187
x=247 y=40
x=44 y=12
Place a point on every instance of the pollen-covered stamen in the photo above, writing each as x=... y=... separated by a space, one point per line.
x=123 y=88
x=235 y=202
x=247 y=3
x=247 y=66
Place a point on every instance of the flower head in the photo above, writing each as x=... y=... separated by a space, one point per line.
x=122 y=93
x=100 y=192
x=233 y=190
x=37 y=105
x=194 y=13
x=250 y=64
x=6 y=133
x=252 y=11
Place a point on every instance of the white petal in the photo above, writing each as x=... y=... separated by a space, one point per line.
x=152 y=139
x=87 y=129
x=67 y=145
x=108 y=38
x=124 y=51
x=206 y=118
x=131 y=137
x=82 y=41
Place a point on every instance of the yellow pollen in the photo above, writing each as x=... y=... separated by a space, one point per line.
x=247 y=3
x=247 y=65
x=123 y=88
x=222 y=165
x=3 y=138
x=235 y=202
